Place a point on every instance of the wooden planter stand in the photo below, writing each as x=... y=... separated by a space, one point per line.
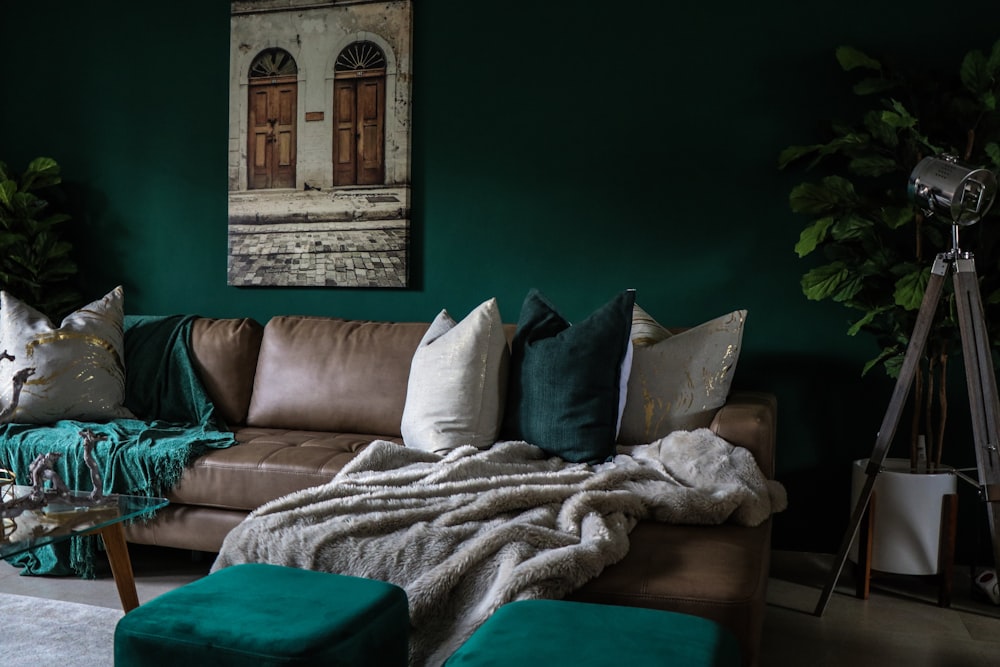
x=946 y=549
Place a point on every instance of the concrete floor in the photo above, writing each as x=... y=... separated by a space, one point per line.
x=899 y=625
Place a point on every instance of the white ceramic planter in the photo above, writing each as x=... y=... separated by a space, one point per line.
x=907 y=516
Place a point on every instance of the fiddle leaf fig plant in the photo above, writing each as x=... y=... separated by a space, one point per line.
x=877 y=248
x=35 y=257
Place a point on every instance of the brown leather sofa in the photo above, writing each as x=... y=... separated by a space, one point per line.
x=304 y=395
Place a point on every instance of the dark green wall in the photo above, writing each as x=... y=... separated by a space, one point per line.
x=580 y=148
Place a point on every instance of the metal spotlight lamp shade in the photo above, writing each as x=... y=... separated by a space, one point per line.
x=945 y=186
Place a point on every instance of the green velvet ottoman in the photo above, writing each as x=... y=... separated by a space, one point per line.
x=555 y=632
x=268 y=615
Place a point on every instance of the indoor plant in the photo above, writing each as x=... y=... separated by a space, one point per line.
x=35 y=256
x=878 y=247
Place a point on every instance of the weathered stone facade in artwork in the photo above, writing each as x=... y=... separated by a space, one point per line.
x=315 y=34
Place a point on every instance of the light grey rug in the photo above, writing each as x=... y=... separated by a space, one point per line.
x=36 y=631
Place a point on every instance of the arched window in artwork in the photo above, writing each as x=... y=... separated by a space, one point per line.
x=360 y=57
x=359 y=115
x=271 y=126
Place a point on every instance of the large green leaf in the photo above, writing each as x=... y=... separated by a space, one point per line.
x=865 y=320
x=974 y=73
x=872 y=86
x=897 y=120
x=793 y=153
x=989 y=100
x=10 y=238
x=886 y=353
x=851 y=227
x=26 y=205
x=849 y=288
x=872 y=165
x=910 y=289
x=57 y=271
x=852 y=58
x=992 y=150
x=848 y=141
x=57 y=249
x=7 y=190
x=41 y=172
x=812 y=236
x=54 y=219
x=825 y=281
x=895 y=217
x=884 y=134
x=831 y=193
x=893 y=364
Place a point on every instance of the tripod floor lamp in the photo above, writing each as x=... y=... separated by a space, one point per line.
x=944 y=186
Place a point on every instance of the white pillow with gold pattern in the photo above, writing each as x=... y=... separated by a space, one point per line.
x=458 y=382
x=78 y=366
x=678 y=380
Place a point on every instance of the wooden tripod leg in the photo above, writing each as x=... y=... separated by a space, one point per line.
x=866 y=538
x=984 y=402
x=946 y=548
x=904 y=381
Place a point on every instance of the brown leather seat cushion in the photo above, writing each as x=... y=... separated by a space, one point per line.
x=266 y=464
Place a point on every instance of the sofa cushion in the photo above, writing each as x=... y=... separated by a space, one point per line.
x=224 y=352
x=79 y=371
x=565 y=381
x=458 y=382
x=325 y=374
x=678 y=381
x=266 y=464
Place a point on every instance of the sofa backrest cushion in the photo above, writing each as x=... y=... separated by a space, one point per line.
x=224 y=353
x=325 y=374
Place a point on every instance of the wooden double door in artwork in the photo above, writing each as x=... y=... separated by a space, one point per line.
x=359 y=130
x=271 y=145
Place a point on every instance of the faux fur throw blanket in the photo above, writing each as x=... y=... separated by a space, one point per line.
x=468 y=532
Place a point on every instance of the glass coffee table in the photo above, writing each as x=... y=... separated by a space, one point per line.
x=62 y=519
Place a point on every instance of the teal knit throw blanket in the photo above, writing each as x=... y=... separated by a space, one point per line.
x=145 y=456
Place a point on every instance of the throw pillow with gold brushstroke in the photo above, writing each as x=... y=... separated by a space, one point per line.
x=79 y=370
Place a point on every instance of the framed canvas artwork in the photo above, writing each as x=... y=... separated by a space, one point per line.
x=319 y=145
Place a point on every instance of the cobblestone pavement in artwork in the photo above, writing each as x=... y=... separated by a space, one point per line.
x=345 y=238
x=319 y=254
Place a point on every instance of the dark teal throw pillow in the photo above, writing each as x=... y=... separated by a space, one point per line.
x=565 y=380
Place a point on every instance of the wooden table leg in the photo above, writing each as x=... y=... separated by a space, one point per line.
x=121 y=565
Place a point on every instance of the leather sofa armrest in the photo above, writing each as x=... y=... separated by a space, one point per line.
x=749 y=419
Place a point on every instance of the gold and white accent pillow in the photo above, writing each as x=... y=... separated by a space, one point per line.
x=678 y=380
x=79 y=370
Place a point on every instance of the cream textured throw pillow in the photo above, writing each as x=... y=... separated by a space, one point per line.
x=79 y=372
x=458 y=380
x=678 y=381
